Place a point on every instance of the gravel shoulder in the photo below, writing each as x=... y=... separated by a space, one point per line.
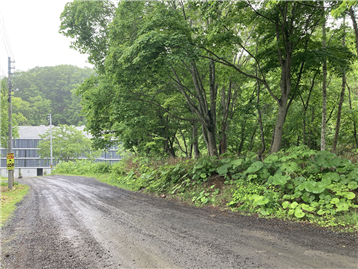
x=78 y=222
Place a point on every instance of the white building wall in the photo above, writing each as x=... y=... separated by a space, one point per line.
x=25 y=172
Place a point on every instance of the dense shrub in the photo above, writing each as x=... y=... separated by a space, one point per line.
x=297 y=183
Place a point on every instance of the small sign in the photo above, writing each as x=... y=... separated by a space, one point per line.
x=10 y=161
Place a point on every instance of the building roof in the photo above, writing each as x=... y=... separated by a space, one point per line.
x=34 y=132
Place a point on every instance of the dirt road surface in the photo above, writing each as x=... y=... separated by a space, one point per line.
x=77 y=222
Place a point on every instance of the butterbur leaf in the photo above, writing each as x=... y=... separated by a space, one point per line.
x=256 y=166
x=299 y=213
x=297 y=194
x=352 y=185
x=353 y=175
x=290 y=167
x=222 y=170
x=271 y=159
x=262 y=201
x=342 y=206
x=334 y=201
x=306 y=197
x=349 y=195
x=204 y=200
x=285 y=204
x=330 y=177
x=306 y=207
x=294 y=205
x=264 y=212
x=280 y=179
x=302 y=186
x=334 y=162
x=344 y=179
x=320 y=212
x=313 y=168
x=323 y=157
x=314 y=187
x=236 y=163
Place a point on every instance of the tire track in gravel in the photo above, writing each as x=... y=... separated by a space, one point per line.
x=77 y=222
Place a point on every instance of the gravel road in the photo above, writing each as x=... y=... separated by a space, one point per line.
x=77 y=222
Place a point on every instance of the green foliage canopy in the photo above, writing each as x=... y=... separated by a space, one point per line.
x=68 y=144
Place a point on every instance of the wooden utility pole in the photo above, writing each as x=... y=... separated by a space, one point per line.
x=10 y=153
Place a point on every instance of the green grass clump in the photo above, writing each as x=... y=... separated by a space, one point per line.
x=9 y=199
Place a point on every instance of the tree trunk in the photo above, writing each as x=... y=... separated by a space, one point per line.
x=304 y=128
x=355 y=27
x=354 y=122
x=212 y=112
x=341 y=99
x=241 y=146
x=262 y=150
x=324 y=90
x=169 y=148
x=252 y=138
x=225 y=104
x=280 y=121
x=195 y=142
x=285 y=86
x=206 y=114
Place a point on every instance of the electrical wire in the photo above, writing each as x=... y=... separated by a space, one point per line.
x=7 y=41
x=5 y=37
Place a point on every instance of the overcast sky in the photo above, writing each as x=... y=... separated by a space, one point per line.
x=32 y=28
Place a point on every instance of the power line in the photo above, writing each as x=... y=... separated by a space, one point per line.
x=5 y=36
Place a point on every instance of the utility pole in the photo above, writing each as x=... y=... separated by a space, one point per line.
x=11 y=171
x=50 y=119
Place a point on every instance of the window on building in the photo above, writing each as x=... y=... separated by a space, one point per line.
x=21 y=162
x=35 y=142
x=29 y=163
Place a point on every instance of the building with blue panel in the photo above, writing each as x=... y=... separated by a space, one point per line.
x=29 y=163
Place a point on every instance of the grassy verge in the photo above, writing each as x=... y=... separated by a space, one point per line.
x=298 y=185
x=9 y=199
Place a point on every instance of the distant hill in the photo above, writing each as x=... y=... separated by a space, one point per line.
x=50 y=89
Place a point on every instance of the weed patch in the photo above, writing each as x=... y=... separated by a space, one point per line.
x=9 y=199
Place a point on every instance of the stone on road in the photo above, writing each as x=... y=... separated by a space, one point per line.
x=77 y=222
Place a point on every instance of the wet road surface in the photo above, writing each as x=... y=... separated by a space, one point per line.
x=78 y=222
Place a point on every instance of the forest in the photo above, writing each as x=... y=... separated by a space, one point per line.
x=50 y=89
x=190 y=79
x=41 y=91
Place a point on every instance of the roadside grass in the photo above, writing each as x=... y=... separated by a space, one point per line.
x=346 y=223
x=296 y=185
x=9 y=199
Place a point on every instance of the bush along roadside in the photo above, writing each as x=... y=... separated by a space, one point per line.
x=297 y=184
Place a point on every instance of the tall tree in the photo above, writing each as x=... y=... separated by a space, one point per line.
x=69 y=144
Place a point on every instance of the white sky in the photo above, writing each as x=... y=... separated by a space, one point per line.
x=32 y=28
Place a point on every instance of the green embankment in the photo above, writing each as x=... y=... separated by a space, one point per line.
x=295 y=185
